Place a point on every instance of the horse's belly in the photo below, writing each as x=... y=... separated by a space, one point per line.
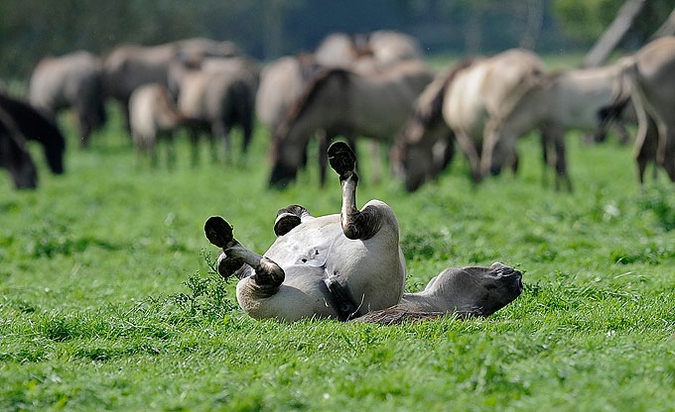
x=373 y=270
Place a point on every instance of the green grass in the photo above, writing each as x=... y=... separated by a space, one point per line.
x=107 y=299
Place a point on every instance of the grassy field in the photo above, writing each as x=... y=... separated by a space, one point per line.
x=108 y=302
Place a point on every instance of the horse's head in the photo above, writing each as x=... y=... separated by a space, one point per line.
x=54 y=148
x=422 y=151
x=23 y=171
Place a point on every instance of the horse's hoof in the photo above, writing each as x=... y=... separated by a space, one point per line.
x=285 y=222
x=218 y=231
x=342 y=158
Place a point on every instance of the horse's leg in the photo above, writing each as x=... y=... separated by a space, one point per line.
x=219 y=129
x=376 y=166
x=469 y=149
x=645 y=149
x=356 y=224
x=668 y=133
x=561 y=163
x=267 y=275
x=324 y=141
x=194 y=142
x=290 y=217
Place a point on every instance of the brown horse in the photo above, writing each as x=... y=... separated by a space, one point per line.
x=34 y=126
x=343 y=102
x=14 y=155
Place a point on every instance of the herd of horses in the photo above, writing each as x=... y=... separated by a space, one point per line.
x=378 y=86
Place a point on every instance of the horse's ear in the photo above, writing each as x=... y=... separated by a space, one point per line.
x=218 y=231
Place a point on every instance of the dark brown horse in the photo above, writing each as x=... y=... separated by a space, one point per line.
x=14 y=155
x=35 y=126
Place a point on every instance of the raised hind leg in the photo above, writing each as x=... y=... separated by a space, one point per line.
x=356 y=224
x=290 y=217
x=267 y=275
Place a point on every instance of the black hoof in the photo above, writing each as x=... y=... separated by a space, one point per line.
x=218 y=231
x=285 y=223
x=342 y=158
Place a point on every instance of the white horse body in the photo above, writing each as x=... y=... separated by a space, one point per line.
x=316 y=250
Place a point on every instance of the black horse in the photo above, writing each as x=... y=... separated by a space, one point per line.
x=14 y=155
x=33 y=125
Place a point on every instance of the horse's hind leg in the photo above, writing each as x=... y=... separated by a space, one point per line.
x=356 y=224
x=290 y=217
x=268 y=276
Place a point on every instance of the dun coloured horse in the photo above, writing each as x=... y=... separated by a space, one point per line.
x=349 y=266
x=342 y=102
x=460 y=104
x=574 y=99
x=650 y=85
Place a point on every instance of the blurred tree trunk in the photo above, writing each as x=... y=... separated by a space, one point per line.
x=534 y=23
x=615 y=32
x=667 y=28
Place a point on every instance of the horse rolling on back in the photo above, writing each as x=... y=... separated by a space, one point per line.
x=33 y=125
x=349 y=265
x=342 y=102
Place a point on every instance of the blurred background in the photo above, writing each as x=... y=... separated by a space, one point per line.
x=267 y=29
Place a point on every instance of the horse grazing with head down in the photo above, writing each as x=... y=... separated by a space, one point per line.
x=349 y=266
x=14 y=155
x=35 y=126
x=460 y=105
x=573 y=99
x=344 y=102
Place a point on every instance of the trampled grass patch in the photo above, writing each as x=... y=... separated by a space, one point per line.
x=108 y=299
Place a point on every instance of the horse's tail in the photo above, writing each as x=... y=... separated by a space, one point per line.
x=622 y=91
x=398 y=314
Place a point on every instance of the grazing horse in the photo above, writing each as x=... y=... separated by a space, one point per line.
x=14 y=155
x=349 y=265
x=152 y=116
x=217 y=96
x=71 y=81
x=35 y=126
x=650 y=85
x=574 y=99
x=461 y=104
x=342 y=102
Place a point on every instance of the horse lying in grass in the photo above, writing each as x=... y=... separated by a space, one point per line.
x=349 y=266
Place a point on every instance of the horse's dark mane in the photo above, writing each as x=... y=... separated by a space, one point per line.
x=308 y=95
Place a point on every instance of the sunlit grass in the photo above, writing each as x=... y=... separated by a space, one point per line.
x=108 y=300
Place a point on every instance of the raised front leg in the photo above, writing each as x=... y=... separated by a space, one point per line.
x=268 y=276
x=356 y=224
